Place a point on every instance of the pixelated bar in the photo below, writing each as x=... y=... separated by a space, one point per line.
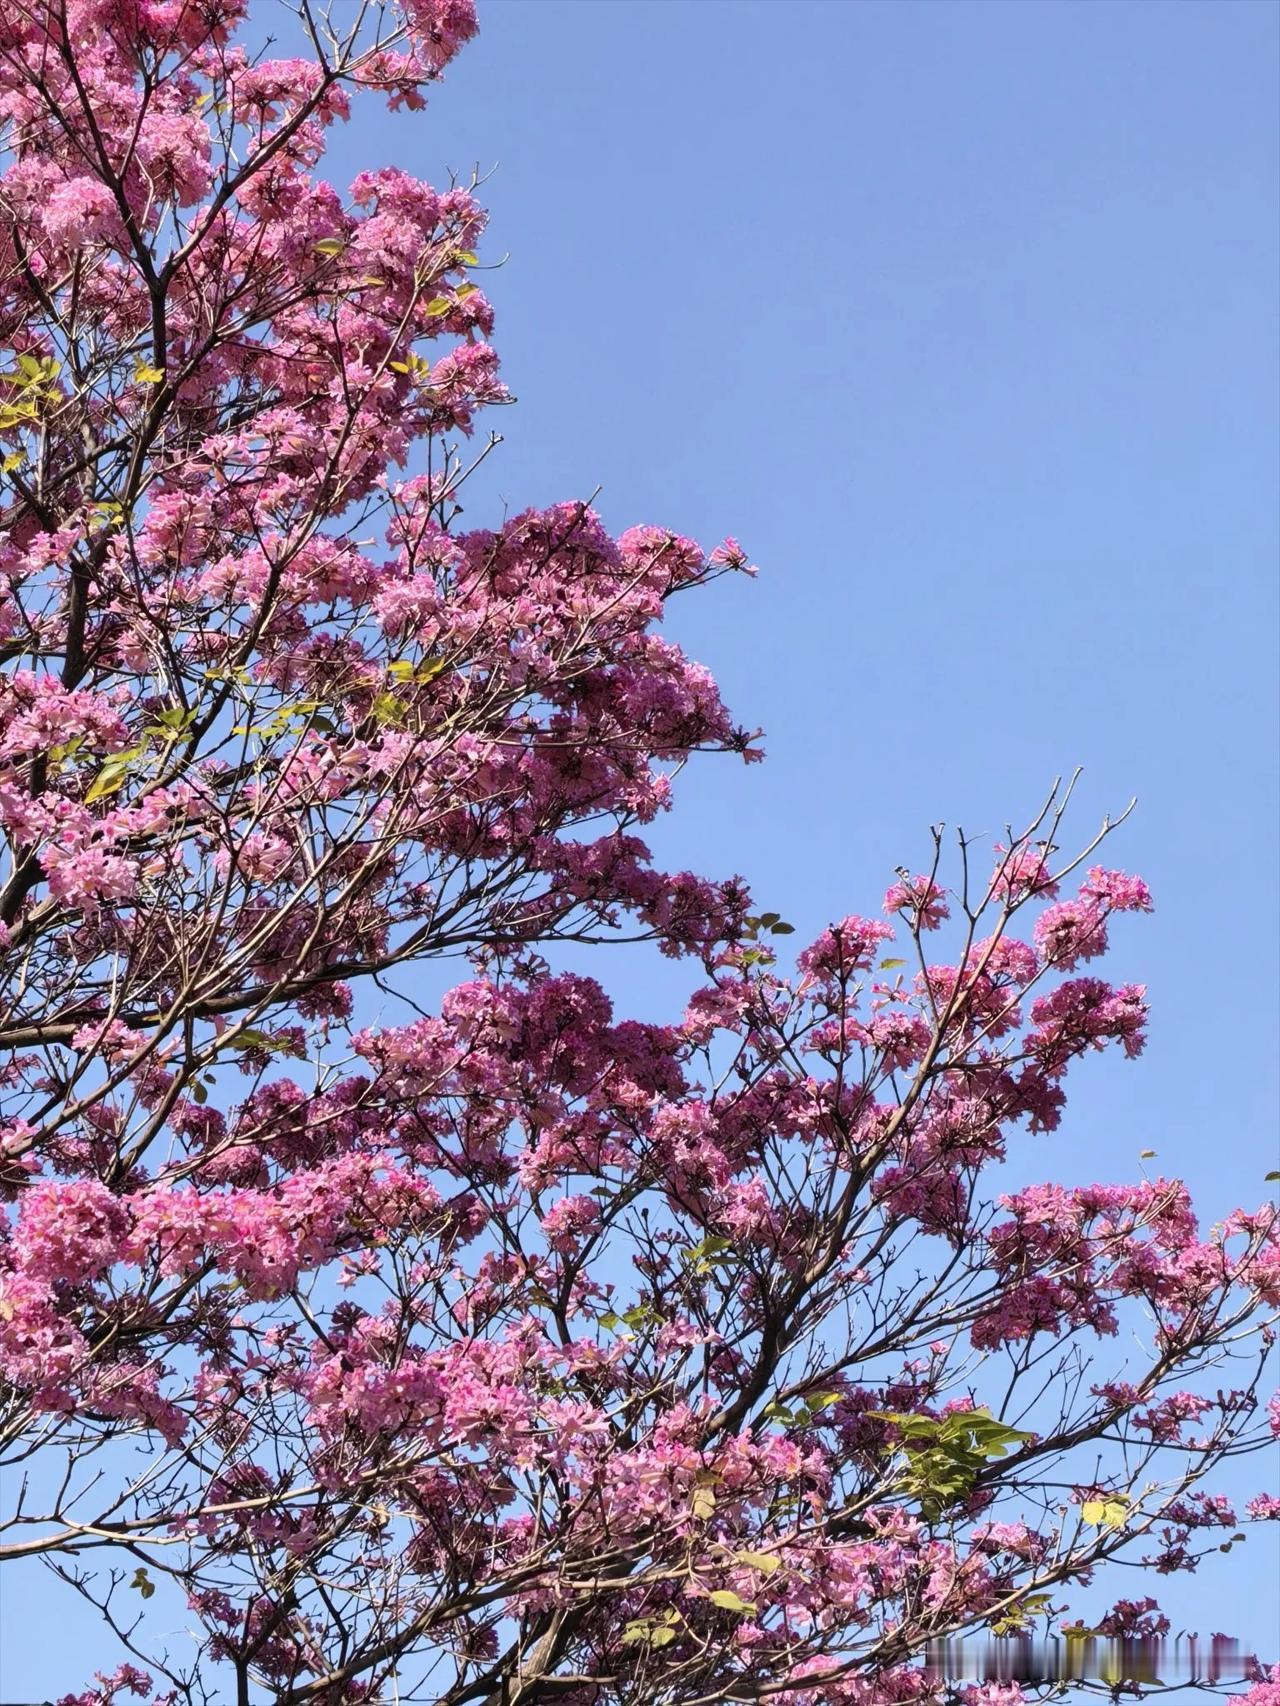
x=1088 y=1658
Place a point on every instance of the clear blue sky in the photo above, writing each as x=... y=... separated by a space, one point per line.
x=963 y=318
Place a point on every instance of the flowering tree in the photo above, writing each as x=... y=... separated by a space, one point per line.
x=515 y=1353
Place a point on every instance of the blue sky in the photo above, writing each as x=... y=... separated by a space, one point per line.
x=963 y=318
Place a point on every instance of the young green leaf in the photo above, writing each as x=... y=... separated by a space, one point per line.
x=1105 y=1513
x=727 y=1600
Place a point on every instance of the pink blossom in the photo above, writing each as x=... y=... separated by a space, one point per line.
x=570 y=1221
x=844 y=948
x=80 y=210
x=921 y=899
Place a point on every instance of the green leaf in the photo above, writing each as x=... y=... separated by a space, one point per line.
x=415 y=365
x=112 y=774
x=767 y=1562
x=727 y=1600
x=142 y=1581
x=891 y=965
x=1014 y=1620
x=437 y=306
x=1105 y=1513
x=650 y=1632
x=641 y=1315
x=416 y=673
x=386 y=708
x=330 y=246
x=468 y=258
x=702 y=1255
x=946 y=1454
x=174 y=717
x=905 y=1424
x=262 y=1040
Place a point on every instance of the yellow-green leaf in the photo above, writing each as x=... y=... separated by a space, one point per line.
x=387 y=708
x=330 y=246
x=107 y=781
x=727 y=1600
x=418 y=673
x=768 y=1562
x=1105 y=1513
x=149 y=375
